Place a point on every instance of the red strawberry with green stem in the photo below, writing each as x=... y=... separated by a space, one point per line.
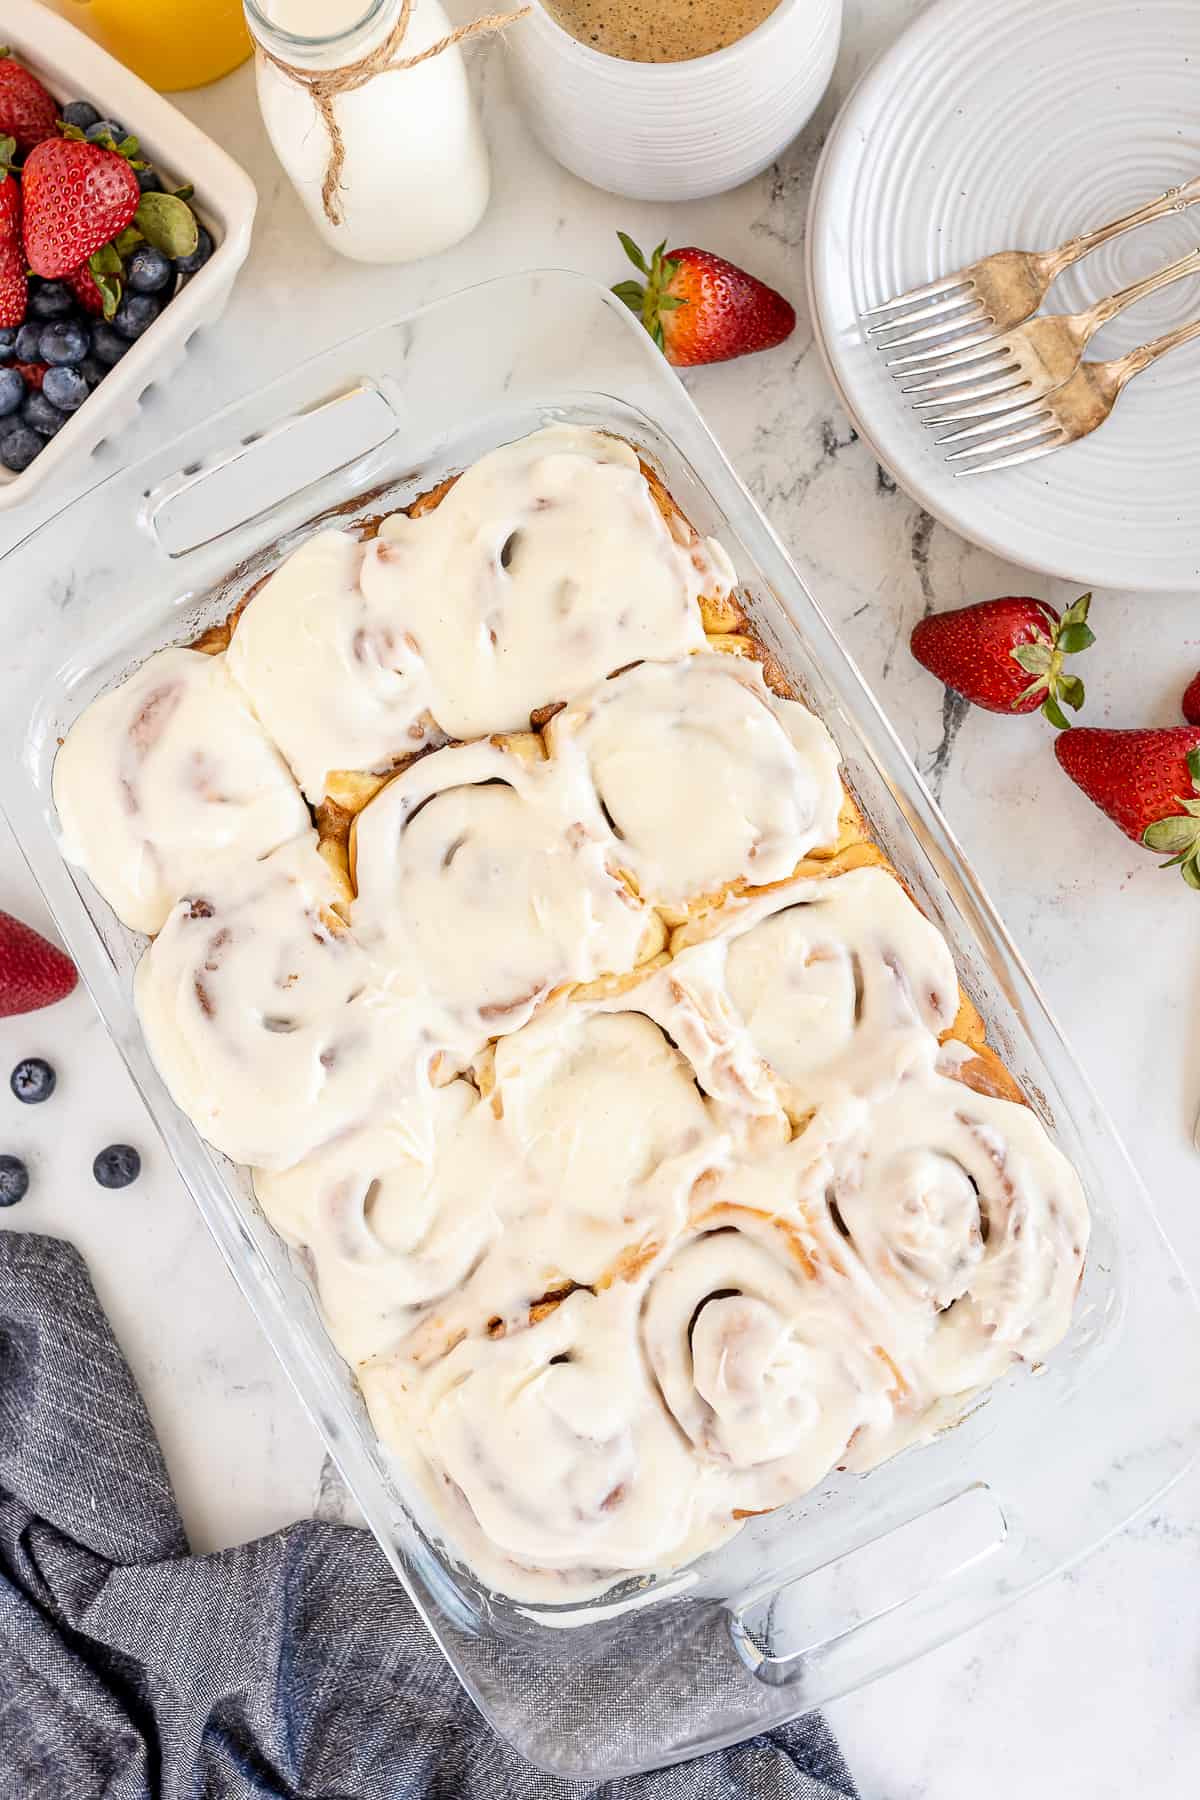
x=14 y=287
x=1007 y=655
x=1148 y=783
x=699 y=308
x=33 y=973
x=77 y=197
x=28 y=112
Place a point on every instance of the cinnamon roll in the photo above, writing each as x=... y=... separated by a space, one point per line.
x=703 y=780
x=335 y=678
x=970 y=1222
x=545 y=566
x=818 y=987
x=256 y=1006
x=162 y=776
x=479 y=891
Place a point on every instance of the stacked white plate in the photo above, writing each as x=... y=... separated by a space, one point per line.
x=1015 y=124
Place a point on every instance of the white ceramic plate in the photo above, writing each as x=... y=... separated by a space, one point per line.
x=1014 y=124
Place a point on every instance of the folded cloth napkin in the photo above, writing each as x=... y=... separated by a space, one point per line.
x=294 y=1668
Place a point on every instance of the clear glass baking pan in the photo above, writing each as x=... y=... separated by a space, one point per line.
x=867 y=1572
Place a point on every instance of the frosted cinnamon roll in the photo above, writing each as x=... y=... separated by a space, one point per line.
x=255 y=1005
x=165 y=774
x=768 y=1347
x=478 y=890
x=819 y=987
x=549 y=1452
x=968 y=1219
x=703 y=779
x=397 y=1214
x=335 y=678
x=545 y=566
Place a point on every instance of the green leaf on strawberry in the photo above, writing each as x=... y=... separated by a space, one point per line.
x=1177 y=837
x=168 y=223
x=1043 y=659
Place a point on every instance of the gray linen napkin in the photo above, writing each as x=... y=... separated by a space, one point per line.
x=294 y=1667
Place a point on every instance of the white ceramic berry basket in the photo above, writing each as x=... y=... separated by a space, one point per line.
x=75 y=68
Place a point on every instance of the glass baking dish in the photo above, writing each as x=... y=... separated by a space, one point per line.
x=866 y=1572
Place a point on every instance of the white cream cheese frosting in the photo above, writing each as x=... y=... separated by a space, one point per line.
x=162 y=775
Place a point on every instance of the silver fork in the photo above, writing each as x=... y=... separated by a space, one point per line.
x=1001 y=290
x=1071 y=412
x=1030 y=362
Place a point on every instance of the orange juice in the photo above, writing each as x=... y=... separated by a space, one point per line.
x=169 y=43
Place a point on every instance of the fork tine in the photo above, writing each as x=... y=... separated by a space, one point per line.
x=915 y=295
x=1001 y=396
x=935 y=310
x=978 y=369
x=1057 y=441
x=945 y=355
x=1013 y=416
x=1037 y=427
x=942 y=328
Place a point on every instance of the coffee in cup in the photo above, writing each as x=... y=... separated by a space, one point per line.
x=659 y=30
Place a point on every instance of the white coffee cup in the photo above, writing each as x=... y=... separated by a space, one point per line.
x=675 y=130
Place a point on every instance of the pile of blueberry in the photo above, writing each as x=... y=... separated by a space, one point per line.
x=33 y=1081
x=64 y=351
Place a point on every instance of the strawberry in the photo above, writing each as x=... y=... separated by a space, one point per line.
x=699 y=308
x=77 y=197
x=13 y=284
x=82 y=284
x=1191 y=701
x=33 y=973
x=1148 y=782
x=27 y=112
x=33 y=374
x=986 y=652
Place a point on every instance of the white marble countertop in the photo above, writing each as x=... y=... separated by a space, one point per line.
x=1089 y=1687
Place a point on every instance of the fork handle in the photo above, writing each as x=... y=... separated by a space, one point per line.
x=1103 y=310
x=1176 y=199
x=1131 y=364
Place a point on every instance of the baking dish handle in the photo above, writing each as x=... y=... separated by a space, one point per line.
x=254 y=478
x=876 y=1605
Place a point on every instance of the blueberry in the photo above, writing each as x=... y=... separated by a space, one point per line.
x=149 y=180
x=65 y=388
x=18 y=447
x=66 y=341
x=187 y=265
x=14 y=1180
x=50 y=300
x=136 y=313
x=104 y=128
x=93 y=371
x=28 y=340
x=12 y=391
x=148 y=270
x=107 y=345
x=80 y=113
x=41 y=415
x=117 y=1166
x=33 y=1080
x=8 y=344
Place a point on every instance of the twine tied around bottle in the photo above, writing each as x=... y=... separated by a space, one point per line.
x=325 y=85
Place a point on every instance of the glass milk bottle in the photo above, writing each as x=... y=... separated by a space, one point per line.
x=410 y=175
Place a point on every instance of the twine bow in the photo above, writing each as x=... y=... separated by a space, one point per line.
x=324 y=86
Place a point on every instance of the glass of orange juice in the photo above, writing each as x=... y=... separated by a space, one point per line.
x=169 y=43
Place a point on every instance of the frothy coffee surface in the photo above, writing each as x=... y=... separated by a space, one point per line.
x=659 y=30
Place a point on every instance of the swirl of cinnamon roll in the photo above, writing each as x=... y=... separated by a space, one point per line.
x=336 y=680
x=555 y=1464
x=768 y=1346
x=971 y=1223
x=478 y=890
x=545 y=566
x=164 y=774
x=703 y=778
x=819 y=987
x=396 y=1214
x=256 y=1008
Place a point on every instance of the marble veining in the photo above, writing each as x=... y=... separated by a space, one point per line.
x=1113 y=941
